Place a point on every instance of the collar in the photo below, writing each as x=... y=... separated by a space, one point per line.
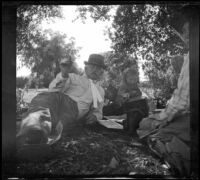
x=94 y=81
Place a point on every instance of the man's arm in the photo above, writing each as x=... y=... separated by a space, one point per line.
x=58 y=83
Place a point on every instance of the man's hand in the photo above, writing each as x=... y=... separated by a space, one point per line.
x=91 y=119
x=65 y=74
x=125 y=95
x=61 y=83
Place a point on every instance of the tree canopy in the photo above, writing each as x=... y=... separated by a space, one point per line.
x=142 y=31
x=29 y=17
x=41 y=50
x=46 y=56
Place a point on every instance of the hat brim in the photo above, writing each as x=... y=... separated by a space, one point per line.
x=67 y=63
x=103 y=66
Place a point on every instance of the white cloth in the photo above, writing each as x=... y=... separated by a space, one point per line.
x=180 y=100
x=95 y=95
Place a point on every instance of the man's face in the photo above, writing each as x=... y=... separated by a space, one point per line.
x=94 y=72
x=65 y=69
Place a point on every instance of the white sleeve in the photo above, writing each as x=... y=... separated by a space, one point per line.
x=53 y=83
x=98 y=112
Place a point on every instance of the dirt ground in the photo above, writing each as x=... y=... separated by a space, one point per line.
x=96 y=151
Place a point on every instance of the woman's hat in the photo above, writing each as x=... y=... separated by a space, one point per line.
x=96 y=59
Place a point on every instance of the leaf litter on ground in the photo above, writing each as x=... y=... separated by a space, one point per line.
x=93 y=153
x=86 y=151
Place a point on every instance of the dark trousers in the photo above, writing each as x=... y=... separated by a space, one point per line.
x=113 y=109
x=135 y=110
x=61 y=106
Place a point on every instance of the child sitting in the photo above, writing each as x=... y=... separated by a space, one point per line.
x=129 y=101
x=129 y=86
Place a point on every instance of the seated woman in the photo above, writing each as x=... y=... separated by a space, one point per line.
x=129 y=86
x=128 y=101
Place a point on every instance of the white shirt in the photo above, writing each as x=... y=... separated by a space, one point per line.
x=79 y=89
x=180 y=100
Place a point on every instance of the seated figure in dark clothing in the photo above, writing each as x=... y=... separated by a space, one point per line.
x=129 y=86
x=111 y=107
x=128 y=101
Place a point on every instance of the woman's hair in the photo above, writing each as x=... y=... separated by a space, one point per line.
x=129 y=71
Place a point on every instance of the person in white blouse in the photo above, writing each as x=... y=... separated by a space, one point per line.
x=168 y=132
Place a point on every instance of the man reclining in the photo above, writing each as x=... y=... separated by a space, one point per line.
x=71 y=98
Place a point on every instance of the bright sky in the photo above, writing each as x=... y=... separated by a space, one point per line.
x=89 y=36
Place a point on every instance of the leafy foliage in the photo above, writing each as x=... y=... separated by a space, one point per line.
x=45 y=56
x=41 y=50
x=29 y=18
x=144 y=32
x=96 y=12
x=21 y=81
x=21 y=105
x=50 y=51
